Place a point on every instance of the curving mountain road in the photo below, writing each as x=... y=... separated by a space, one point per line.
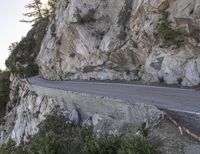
x=175 y=100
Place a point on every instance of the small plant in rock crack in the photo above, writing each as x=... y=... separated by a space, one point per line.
x=164 y=31
x=87 y=18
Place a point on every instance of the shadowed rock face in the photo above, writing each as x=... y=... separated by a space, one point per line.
x=114 y=39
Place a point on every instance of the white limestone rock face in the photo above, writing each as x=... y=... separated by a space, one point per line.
x=191 y=74
x=16 y=90
x=23 y=120
x=114 y=39
x=168 y=64
x=89 y=39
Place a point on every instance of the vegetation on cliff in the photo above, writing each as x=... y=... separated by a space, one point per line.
x=4 y=91
x=166 y=33
x=22 y=59
x=58 y=136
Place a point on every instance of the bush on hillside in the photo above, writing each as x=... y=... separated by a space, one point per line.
x=56 y=136
x=22 y=59
x=166 y=33
x=4 y=91
x=119 y=145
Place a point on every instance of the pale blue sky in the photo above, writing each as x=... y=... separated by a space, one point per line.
x=11 y=30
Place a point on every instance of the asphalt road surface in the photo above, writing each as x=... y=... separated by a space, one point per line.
x=183 y=102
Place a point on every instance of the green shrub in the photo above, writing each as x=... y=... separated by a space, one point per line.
x=49 y=143
x=4 y=91
x=87 y=18
x=23 y=54
x=103 y=145
x=10 y=148
x=166 y=33
x=118 y=145
x=137 y=145
x=56 y=136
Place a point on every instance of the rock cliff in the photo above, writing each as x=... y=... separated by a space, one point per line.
x=147 y=40
x=153 y=41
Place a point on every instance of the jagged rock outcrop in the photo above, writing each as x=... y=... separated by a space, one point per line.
x=17 y=87
x=115 y=39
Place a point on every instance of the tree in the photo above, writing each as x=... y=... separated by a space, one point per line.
x=37 y=12
x=4 y=91
x=22 y=56
x=12 y=46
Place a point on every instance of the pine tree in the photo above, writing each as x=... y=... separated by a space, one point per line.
x=37 y=12
x=12 y=46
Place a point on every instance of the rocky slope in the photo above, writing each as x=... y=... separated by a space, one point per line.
x=105 y=115
x=124 y=40
x=38 y=102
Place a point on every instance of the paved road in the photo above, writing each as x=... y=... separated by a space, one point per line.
x=189 y=121
x=182 y=102
x=171 y=98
